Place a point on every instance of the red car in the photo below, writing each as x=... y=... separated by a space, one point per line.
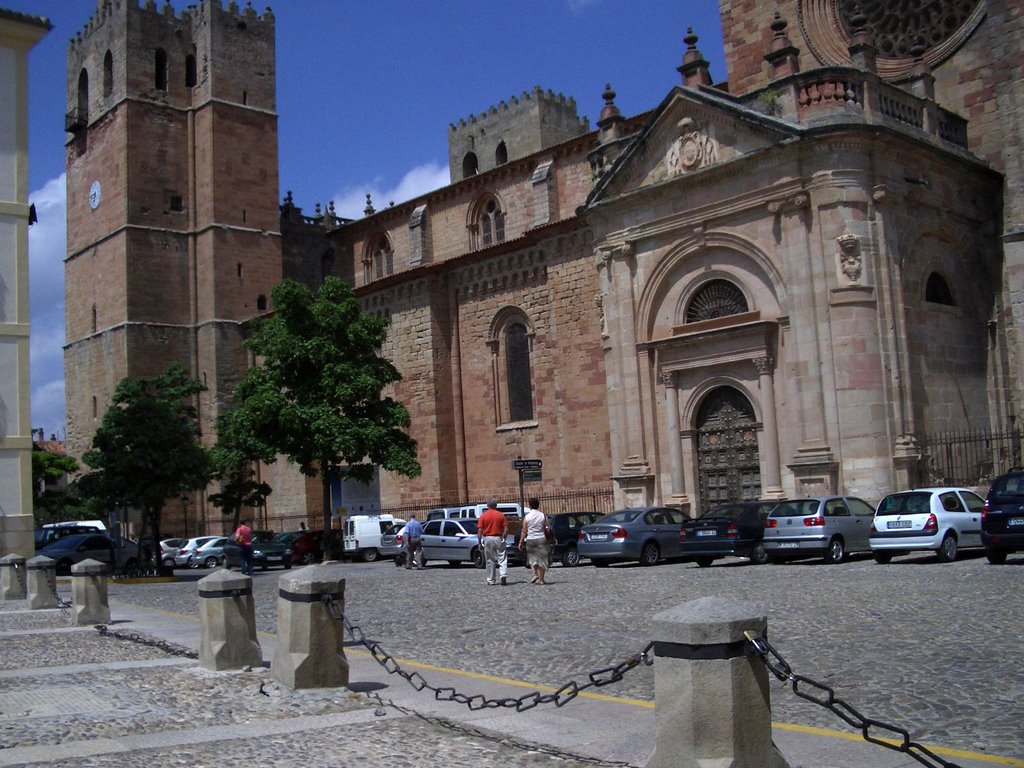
x=305 y=546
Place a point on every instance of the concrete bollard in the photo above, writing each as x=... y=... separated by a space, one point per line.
x=227 y=617
x=89 y=593
x=12 y=577
x=712 y=703
x=310 y=650
x=42 y=582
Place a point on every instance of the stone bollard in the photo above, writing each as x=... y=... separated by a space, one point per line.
x=712 y=703
x=42 y=582
x=89 y=593
x=310 y=650
x=227 y=617
x=12 y=577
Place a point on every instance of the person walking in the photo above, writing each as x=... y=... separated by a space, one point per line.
x=413 y=535
x=243 y=538
x=533 y=538
x=491 y=530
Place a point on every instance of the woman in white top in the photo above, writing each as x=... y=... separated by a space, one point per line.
x=533 y=538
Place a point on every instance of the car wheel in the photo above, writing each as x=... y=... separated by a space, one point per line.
x=192 y=562
x=168 y=562
x=369 y=555
x=599 y=562
x=288 y=565
x=836 y=551
x=571 y=557
x=996 y=556
x=477 y=557
x=649 y=554
x=882 y=558
x=307 y=558
x=704 y=562
x=947 y=549
x=758 y=556
x=211 y=562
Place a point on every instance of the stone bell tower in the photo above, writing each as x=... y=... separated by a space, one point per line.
x=172 y=176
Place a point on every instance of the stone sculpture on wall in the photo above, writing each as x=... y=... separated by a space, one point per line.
x=693 y=148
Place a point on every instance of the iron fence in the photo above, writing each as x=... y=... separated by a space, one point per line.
x=970 y=457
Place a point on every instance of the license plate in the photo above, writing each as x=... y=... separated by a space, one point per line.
x=706 y=533
x=274 y=558
x=1015 y=521
x=788 y=545
x=599 y=537
x=898 y=524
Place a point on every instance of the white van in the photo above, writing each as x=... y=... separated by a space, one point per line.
x=363 y=532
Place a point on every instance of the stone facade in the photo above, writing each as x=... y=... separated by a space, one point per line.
x=771 y=287
x=18 y=34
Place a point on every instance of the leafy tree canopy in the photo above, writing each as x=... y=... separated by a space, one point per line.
x=147 y=447
x=47 y=467
x=315 y=394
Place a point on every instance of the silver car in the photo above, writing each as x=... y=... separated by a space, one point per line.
x=187 y=553
x=452 y=540
x=646 y=534
x=826 y=526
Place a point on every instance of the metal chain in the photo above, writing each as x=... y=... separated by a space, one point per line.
x=508 y=741
x=64 y=605
x=596 y=679
x=163 y=645
x=827 y=699
x=19 y=572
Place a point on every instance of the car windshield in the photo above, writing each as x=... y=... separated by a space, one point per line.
x=729 y=513
x=621 y=516
x=796 y=508
x=904 y=504
x=1008 y=485
x=288 y=538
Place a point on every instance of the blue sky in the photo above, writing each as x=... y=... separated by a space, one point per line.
x=365 y=94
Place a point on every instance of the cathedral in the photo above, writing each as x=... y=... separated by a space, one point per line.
x=772 y=286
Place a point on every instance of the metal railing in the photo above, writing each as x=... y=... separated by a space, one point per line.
x=970 y=457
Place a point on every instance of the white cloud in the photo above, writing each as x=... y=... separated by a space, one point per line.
x=351 y=201
x=47 y=247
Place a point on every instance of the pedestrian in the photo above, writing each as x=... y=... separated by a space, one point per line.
x=302 y=526
x=492 y=528
x=533 y=538
x=413 y=535
x=243 y=538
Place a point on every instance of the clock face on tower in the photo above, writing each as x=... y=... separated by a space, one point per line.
x=94 y=194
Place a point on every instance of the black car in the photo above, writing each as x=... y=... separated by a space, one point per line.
x=1002 y=517
x=566 y=527
x=732 y=529
x=69 y=550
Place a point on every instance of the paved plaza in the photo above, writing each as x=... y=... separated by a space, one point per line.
x=928 y=646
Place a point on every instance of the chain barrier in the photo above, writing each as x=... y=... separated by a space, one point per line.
x=134 y=637
x=19 y=572
x=596 y=679
x=825 y=697
x=507 y=741
x=64 y=605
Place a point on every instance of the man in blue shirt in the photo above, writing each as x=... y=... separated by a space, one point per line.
x=413 y=534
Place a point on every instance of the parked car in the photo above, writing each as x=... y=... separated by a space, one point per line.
x=566 y=527
x=169 y=548
x=945 y=520
x=452 y=540
x=46 y=534
x=1002 y=517
x=305 y=546
x=267 y=554
x=363 y=535
x=210 y=554
x=825 y=526
x=729 y=530
x=68 y=550
x=646 y=534
x=187 y=552
x=393 y=545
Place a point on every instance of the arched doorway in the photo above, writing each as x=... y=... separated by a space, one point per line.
x=728 y=464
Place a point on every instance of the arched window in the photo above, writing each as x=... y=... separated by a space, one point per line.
x=83 y=97
x=488 y=225
x=378 y=261
x=716 y=298
x=470 y=166
x=108 y=75
x=501 y=154
x=517 y=368
x=937 y=290
x=190 y=70
x=160 y=69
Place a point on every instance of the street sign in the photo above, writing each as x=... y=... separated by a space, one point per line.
x=531 y=475
x=520 y=464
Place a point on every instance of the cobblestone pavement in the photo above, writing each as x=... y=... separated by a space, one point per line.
x=928 y=646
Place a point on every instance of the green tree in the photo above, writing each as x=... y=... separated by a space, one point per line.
x=315 y=394
x=147 y=447
x=48 y=467
x=239 y=487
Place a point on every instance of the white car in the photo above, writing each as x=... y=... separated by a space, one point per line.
x=945 y=520
x=186 y=555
